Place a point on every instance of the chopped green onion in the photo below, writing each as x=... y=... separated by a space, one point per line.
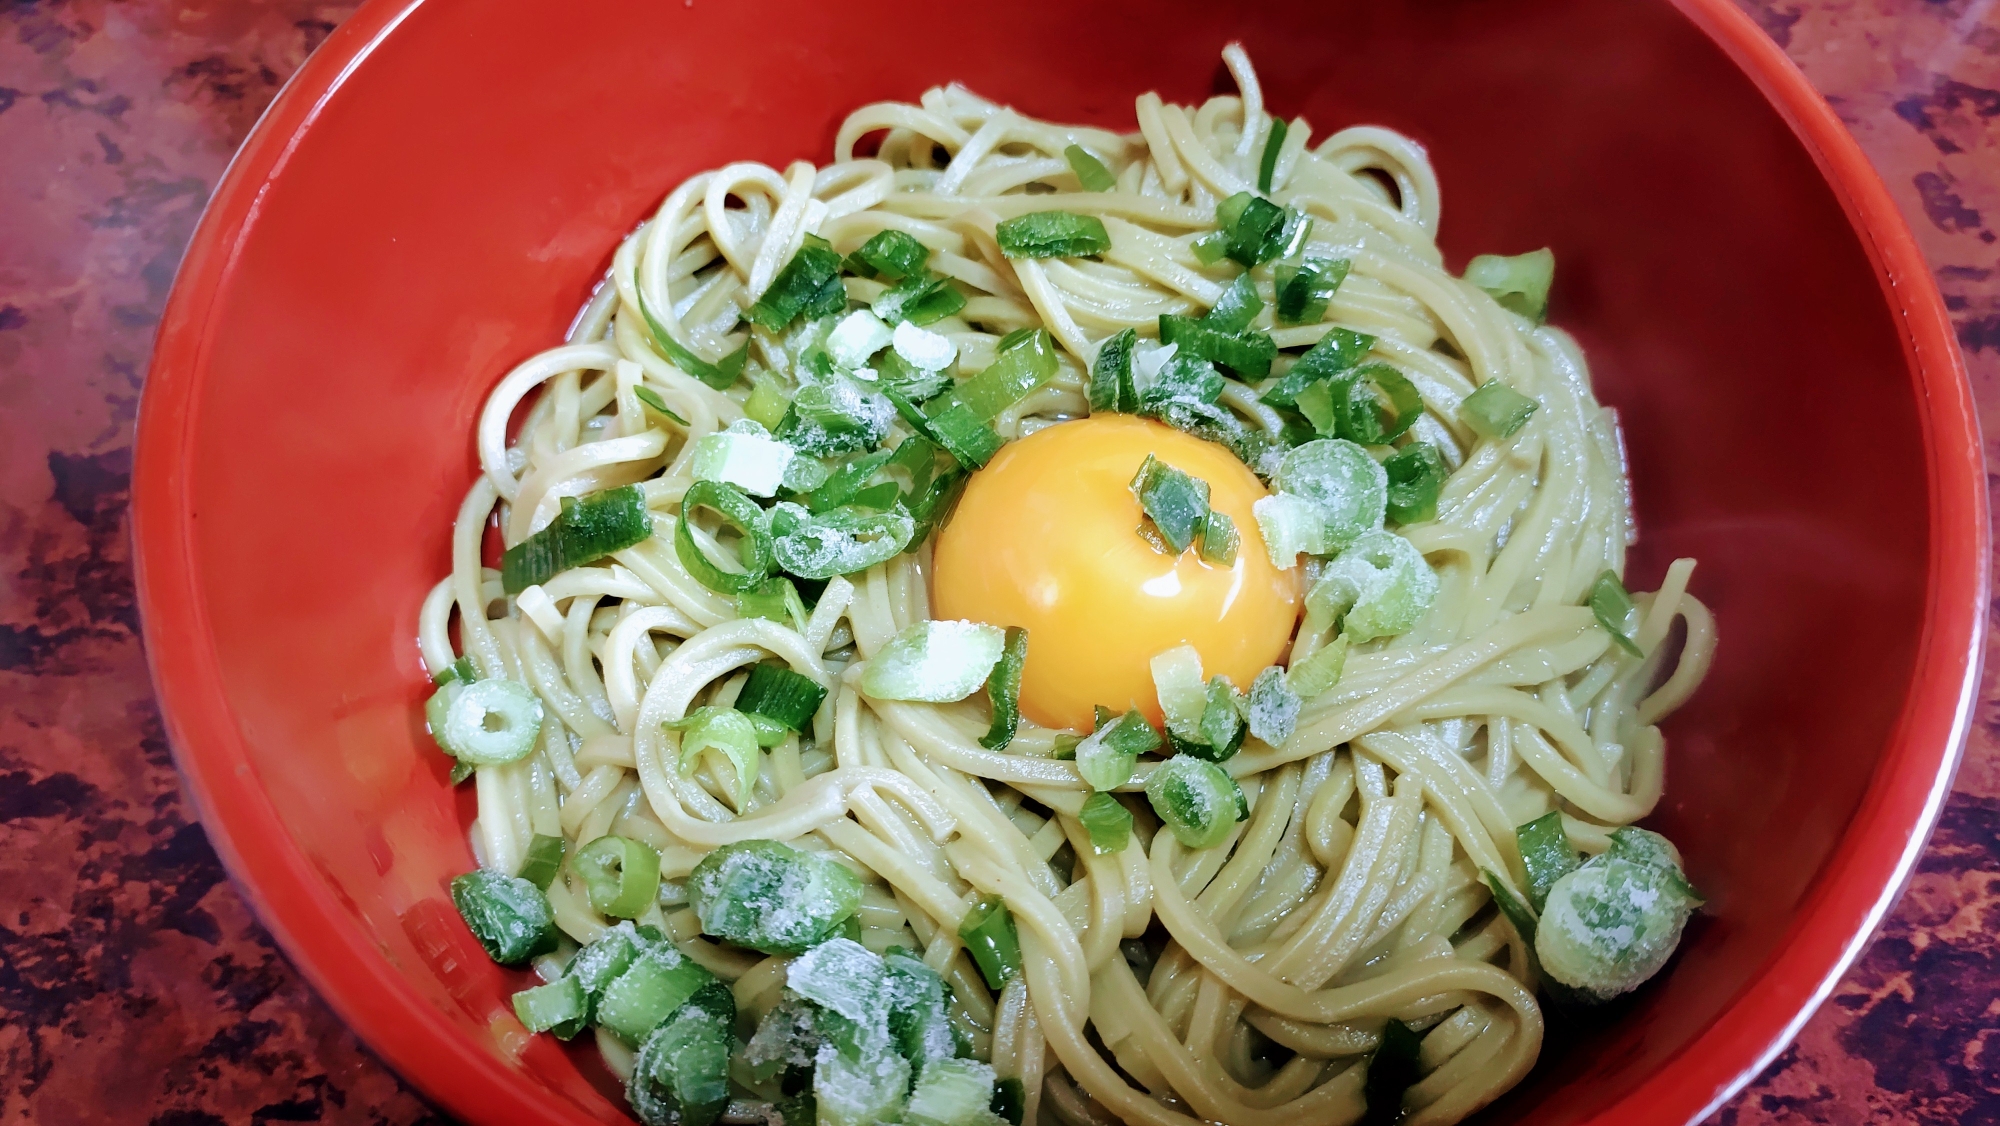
x=1290 y=525
x=753 y=550
x=744 y=456
x=1111 y=375
x=1003 y=690
x=727 y=732
x=1052 y=234
x=460 y=771
x=681 y=1075
x=1221 y=722
x=561 y=1007
x=855 y=337
x=1184 y=381
x=775 y=600
x=951 y=1092
x=841 y=542
x=621 y=875
x=989 y=936
x=1643 y=846
x=1546 y=851
x=1107 y=821
x=834 y=417
x=718 y=375
x=544 y=859
x=1350 y=487
x=1338 y=351
x=1519 y=283
x=461 y=670
x=1235 y=309
x=1610 y=925
x=1496 y=410
x=773 y=690
x=490 y=722
x=584 y=530
x=930 y=507
x=1416 y=477
x=1176 y=503
x=1377 y=404
x=1198 y=800
x=892 y=254
x=651 y=399
x=1319 y=672
x=1305 y=290
x=802 y=286
x=1211 y=247
x=1178 y=685
x=1273 y=709
x=1615 y=611
x=917 y=456
x=1258 y=230
x=1010 y=1099
x=934 y=661
x=963 y=434
x=1218 y=538
x=919 y=1019
x=1381 y=582
x=1247 y=353
x=508 y=915
x=1317 y=403
x=650 y=989
x=920 y=299
x=768 y=402
x=601 y=962
x=844 y=483
x=1090 y=171
x=1107 y=756
x=1272 y=146
x=771 y=897
x=1022 y=366
x=1393 y=1069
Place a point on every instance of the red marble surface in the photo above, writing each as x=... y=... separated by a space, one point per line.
x=134 y=985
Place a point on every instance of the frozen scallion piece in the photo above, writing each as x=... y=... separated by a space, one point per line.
x=1196 y=799
x=771 y=897
x=934 y=661
x=680 y=1076
x=804 y=285
x=544 y=860
x=1381 y=583
x=1246 y=352
x=1176 y=503
x=561 y=1007
x=508 y=915
x=1546 y=851
x=1268 y=163
x=488 y=722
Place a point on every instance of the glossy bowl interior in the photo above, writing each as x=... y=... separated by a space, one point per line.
x=436 y=193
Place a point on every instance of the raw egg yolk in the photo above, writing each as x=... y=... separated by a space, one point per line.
x=1047 y=537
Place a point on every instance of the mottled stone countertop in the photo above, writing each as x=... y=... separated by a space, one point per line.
x=134 y=985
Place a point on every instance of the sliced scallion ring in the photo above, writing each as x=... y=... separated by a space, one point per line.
x=1198 y=800
x=621 y=875
x=1107 y=821
x=491 y=722
x=740 y=512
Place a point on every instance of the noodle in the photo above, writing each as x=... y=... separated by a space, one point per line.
x=1243 y=983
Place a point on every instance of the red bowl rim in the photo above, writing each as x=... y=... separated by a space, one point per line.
x=1859 y=884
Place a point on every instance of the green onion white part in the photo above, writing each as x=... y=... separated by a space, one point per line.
x=935 y=662
x=744 y=455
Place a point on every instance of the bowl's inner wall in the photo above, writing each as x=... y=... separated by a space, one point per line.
x=442 y=220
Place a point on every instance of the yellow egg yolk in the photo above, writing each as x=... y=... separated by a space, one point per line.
x=1047 y=537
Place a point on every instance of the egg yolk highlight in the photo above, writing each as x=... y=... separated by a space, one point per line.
x=1046 y=537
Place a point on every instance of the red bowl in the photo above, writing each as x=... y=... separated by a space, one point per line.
x=432 y=197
